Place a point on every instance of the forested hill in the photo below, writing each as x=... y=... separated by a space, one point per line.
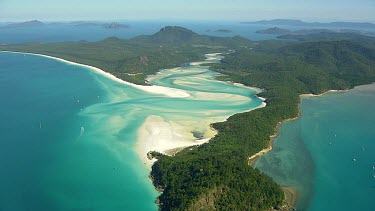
x=175 y=35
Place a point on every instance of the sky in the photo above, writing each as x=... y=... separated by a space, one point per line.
x=219 y=10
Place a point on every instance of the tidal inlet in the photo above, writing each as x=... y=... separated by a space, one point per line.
x=94 y=131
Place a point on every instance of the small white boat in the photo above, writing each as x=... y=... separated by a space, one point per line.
x=354 y=159
x=82 y=131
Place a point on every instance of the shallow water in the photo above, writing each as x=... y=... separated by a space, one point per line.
x=68 y=135
x=328 y=154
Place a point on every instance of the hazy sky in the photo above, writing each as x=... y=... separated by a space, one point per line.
x=321 y=10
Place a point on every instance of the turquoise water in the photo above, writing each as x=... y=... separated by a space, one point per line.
x=329 y=153
x=69 y=137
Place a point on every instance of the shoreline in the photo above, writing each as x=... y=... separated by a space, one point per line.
x=290 y=192
x=168 y=137
x=291 y=196
x=167 y=91
x=252 y=159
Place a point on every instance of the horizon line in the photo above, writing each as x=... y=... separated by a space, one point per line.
x=307 y=20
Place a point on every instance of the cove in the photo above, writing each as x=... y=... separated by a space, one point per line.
x=327 y=154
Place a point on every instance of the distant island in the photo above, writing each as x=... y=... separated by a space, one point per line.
x=299 y=23
x=316 y=34
x=36 y=23
x=115 y=26
x=223 y=31
x=33 y=23
x=274 y=30
x=112 y=25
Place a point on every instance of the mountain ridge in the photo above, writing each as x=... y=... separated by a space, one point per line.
x=177 y=35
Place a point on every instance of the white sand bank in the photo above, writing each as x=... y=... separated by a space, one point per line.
x=158 y=134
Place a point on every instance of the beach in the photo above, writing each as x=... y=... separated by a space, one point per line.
x=167 y=137
x=170 y=92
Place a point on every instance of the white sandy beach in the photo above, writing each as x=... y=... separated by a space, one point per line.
x=161 y=135
x=170 y=92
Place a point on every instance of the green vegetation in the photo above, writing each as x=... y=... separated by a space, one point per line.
x=216 y=175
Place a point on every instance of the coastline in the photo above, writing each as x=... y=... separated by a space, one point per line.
x=167 y=91
x=252 y=159
x=168 y=137
x=291 y=195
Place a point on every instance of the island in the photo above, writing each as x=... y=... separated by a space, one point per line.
x=37 y=23
x=295 y=34
x=217 y=175
x=299 y=23
x=115 y=26
x=274 y=30
x=33 y=23
x=112 y=25
x=223 y=31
